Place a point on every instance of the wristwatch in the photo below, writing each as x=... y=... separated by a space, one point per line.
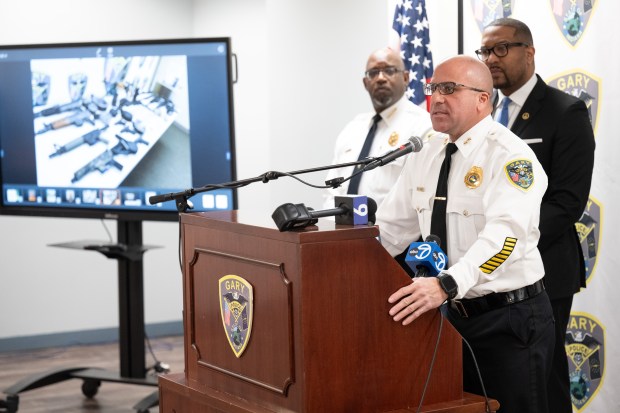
x=447 y=283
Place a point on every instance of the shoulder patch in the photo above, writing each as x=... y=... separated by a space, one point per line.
x=520 y=173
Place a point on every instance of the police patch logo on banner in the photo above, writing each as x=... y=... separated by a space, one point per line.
x=237 y=310
x=582 y=85
x=572 y=17
x=585 y=349
x=486 y=11
x=589 y=231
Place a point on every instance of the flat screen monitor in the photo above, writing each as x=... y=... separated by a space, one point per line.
x=93 y=130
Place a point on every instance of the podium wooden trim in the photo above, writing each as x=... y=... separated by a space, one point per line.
x=322 y=339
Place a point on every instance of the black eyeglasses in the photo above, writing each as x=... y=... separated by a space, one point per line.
x=387 y=71
x=447 y=88
x=500 y=50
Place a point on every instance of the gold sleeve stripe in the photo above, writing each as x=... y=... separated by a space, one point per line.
x=499 y=258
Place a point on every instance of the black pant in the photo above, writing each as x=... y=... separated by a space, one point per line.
x=559 y=383
x=513 y=346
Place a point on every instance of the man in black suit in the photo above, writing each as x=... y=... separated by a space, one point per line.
x=558 y=129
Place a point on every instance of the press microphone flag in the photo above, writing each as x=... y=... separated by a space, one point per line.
x=426 y=258
x=356 y=210
x=350 y=210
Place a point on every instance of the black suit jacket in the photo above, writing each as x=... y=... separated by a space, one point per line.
x=557 y=127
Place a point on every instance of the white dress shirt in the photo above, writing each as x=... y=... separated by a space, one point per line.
x=492 y=215
x=399 y=122
x=517 y=98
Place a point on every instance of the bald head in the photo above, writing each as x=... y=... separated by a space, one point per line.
x=469 y=102
x=386 y=54
x=385 y=89
x=470 y=71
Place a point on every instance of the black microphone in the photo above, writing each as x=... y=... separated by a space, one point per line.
x=414 y=144
x=372 y=209
x=290 y=216
x=355 y=210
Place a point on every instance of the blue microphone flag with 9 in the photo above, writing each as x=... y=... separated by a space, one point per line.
x=360 y=210
x=357 y=210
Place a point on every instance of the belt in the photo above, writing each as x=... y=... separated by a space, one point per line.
x=469 y=307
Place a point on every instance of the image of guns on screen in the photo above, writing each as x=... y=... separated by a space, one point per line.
x=89 y=138
x=105 y=160
x=57 y=109
x=84 y=111
x=97 y=111
x=122 y=105
x=77 y=119
x=101 y=163
x=158 y=99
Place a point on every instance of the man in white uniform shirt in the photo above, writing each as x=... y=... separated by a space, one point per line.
x=386 y=81
x=493 y=284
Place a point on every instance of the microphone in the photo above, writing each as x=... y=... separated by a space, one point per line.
x=290 y=216
x=350 y=210
x=414 y=144
x=354 y=210
x=426 y=258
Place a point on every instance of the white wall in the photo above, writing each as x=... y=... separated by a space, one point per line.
x=301 y=64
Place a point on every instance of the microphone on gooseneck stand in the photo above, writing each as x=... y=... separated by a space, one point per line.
x=414 y=144
x=426 y=258
x=350 y=210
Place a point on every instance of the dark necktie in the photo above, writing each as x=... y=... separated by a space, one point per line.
x=355 y=181
x=438 y=218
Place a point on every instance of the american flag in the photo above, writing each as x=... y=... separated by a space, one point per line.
x=411 y=24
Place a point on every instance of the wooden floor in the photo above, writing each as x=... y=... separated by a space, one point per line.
x=66 y=396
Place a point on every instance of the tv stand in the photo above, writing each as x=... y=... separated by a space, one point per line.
x=128 y=252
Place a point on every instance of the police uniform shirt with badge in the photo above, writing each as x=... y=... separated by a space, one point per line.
x=495 y=189
x=398 y=123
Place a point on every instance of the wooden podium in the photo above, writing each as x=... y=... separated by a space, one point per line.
x=321 y=339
